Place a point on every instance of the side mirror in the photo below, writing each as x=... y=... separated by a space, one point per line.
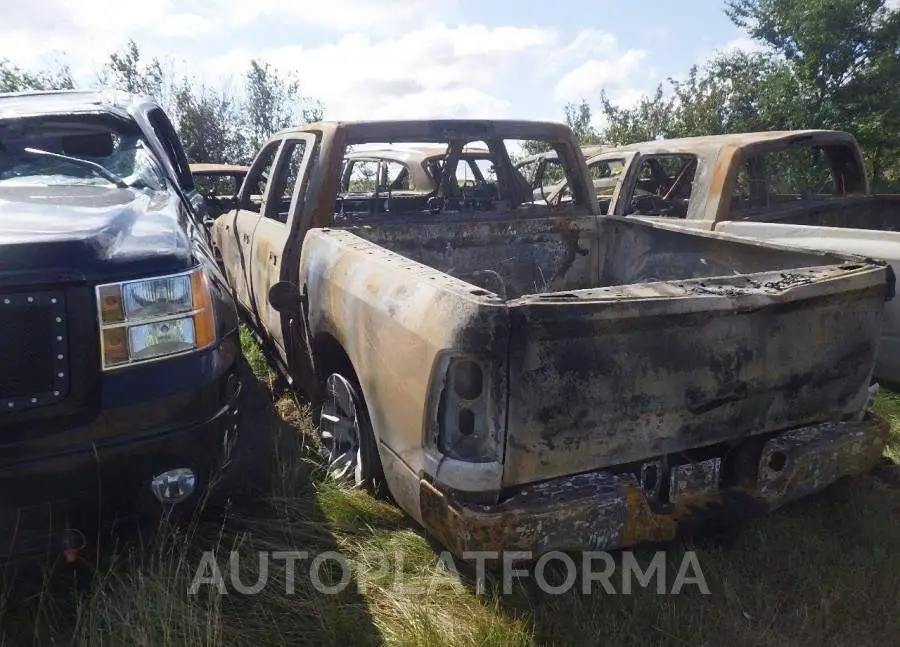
x=284 y=297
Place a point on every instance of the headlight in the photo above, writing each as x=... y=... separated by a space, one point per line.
x=153 y=318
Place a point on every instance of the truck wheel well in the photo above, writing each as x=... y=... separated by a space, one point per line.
x=332 y=358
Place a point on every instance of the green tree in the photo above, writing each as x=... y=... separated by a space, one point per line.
x=579 y=118
x=652 y=118
x=825 y=64
x=15 y=79
x=274 y=102
x=127 y=71
x=209 y=123
x=845 y=56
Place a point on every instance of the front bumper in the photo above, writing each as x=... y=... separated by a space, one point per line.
x=101 y=471
x=605 y=511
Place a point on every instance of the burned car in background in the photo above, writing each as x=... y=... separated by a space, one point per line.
x=120 y=368
x=417 y=170
x=545 y=174
x=803 y=188
x=537 y=377
x=218 y=184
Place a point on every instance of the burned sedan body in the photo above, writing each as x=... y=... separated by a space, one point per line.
x=535 y=377
x=120 y=365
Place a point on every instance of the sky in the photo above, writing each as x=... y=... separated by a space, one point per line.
x=378 y=59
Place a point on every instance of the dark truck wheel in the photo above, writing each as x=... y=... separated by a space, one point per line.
x=346 y=438
x=248 y=473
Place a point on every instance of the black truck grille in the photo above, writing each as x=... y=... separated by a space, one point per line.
x=34 y=358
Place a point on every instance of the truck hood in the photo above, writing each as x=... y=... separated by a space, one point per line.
x=91 y=232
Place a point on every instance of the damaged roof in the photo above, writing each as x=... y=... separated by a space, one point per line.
x=25 y=104
x=423 y=130
x=413 y=153
x=708 y=143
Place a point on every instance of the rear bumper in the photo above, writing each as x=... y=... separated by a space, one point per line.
x=887 y=364
x=604 y=511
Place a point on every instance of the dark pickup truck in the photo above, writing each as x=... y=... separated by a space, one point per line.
x=120 y=363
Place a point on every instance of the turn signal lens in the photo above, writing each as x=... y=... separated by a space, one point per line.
x=204 y=325
x=111 y=307
x=115 y=347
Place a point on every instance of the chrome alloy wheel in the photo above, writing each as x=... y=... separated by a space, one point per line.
x=340 y=428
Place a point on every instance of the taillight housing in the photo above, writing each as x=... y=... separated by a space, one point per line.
x=466 y=425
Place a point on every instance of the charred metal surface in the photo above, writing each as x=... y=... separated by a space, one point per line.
x=638 y=253
x=398 y=321
x=508 y=258
x=695 y=479
x=584 y=511
x=854 y=220
x=604 y=511
x=600 y=376
x=798 y=463
x=606 y=375
x=602 y=383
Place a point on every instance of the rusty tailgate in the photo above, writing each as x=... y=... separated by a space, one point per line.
x=609 y=376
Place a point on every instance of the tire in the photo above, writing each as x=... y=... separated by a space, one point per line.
x=249 y=474
x=347 y=443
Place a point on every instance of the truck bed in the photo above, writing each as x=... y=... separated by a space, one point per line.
x=867 y=226
x=547 y=256
x=872 y=212
x=629 y=341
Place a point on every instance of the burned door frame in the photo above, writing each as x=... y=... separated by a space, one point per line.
x=270 y=238
x=622 y=195
x=240 y=227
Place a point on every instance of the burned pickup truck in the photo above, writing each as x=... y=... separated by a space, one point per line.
x=803 y=188
x=120 y=367
x=525 y=377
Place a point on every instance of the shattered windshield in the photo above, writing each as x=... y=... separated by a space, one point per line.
x=61 y=151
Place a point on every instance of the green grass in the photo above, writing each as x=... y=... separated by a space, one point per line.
x=820 y=573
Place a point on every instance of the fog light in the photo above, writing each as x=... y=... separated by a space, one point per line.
x=174 y=486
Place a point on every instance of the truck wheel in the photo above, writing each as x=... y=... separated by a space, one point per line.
x=346 y=438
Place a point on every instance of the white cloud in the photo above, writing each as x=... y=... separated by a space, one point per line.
x=360 y=58
x=892 y=4
x=188 y=25
x=340 y=15
x=81 y=33
x=462 y=70
x=624 y=75
x=743 y=44
x=432 y=71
